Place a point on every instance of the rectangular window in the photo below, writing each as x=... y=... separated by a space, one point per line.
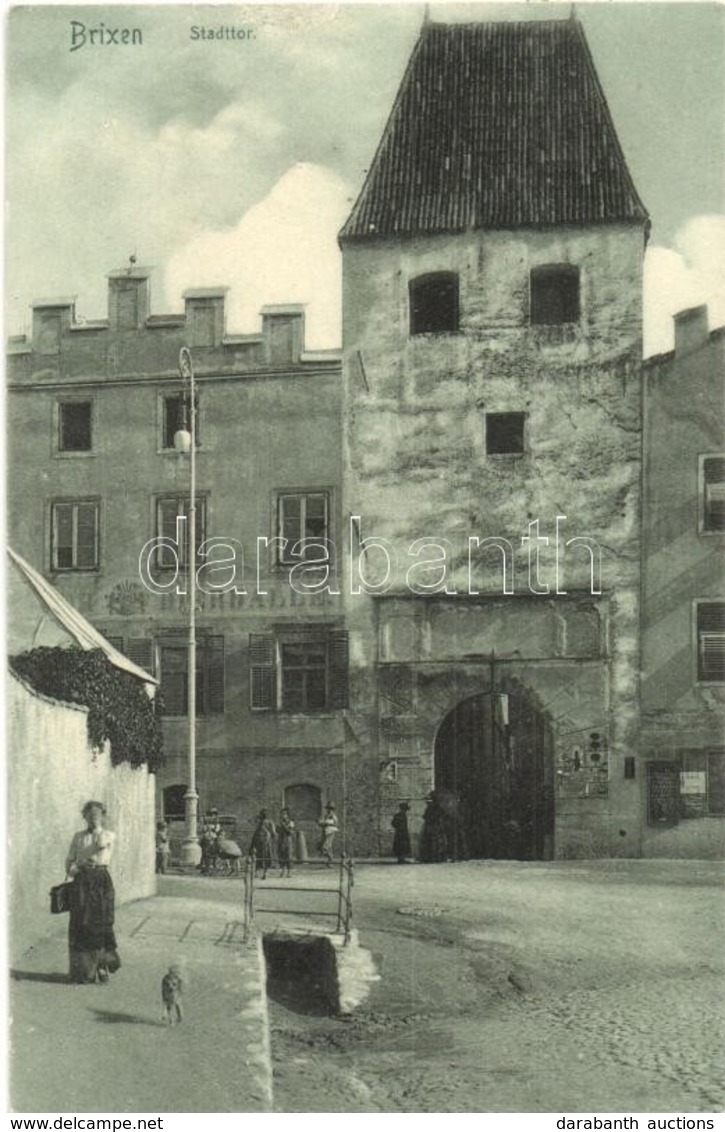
x=711 y=641
x=702 y=783
x=505 y=434
x=174 y=666
x=169 y=509
x=74 y=426
x=74 y=535
x=303 y=670
x=176 y=415
x=554 y=294
x=303 y=520
x=712 y=492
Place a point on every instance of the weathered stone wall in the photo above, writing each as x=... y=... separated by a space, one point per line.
x=415 y=463
x=52 y=772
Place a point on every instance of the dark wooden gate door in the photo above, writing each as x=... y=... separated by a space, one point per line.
x=495 y=778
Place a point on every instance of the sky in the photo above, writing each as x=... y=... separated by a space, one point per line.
x=235 y=161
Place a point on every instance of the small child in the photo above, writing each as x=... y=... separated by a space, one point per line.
x=171 y=986
x=163 y=851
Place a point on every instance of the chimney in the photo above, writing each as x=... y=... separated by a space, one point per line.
x=51 y=319
x=205 y=316
x=283 y=328
x=128 y=297
x=691 y=330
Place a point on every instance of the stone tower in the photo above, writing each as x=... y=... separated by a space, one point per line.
x=492 y=320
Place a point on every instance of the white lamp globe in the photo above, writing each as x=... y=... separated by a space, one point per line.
x=182 y=441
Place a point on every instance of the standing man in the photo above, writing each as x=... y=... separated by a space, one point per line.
x=329 y=826
x=401 y=835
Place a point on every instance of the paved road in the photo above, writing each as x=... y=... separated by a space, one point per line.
x=80 y=1049
x=549 y=987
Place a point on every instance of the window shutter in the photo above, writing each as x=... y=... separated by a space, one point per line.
x=338 y=653
x=86 y=538
x=215 y=673
x=711 y=617
x=140 y=651
x=174 y=680
x=712 y=656
x=262 y=675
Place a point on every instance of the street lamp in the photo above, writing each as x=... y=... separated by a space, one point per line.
x=185 y=442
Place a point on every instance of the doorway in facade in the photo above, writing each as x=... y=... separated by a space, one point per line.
x=494 y=775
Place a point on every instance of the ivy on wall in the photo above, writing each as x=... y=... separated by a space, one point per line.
x=119 y=709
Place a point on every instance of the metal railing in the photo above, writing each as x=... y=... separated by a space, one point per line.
x=343 y=892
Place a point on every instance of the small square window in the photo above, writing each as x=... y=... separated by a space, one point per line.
x=74 y=426
x=554 y=294
x=505 y=434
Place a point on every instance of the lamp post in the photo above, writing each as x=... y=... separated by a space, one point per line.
x=185 y=442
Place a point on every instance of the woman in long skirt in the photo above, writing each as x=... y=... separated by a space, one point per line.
x=285 y=837
x=263 y=843
x=434 y=836
x=92 y=944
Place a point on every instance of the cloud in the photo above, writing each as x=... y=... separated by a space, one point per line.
x=688 y=275
x=283 y=249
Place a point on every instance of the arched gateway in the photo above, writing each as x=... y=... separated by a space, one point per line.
x=494 y=772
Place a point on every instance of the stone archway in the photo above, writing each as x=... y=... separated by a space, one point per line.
x=494 y=773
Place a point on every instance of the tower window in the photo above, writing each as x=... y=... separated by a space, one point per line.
x=505 y=434
x=554 y=294
x=434 y=303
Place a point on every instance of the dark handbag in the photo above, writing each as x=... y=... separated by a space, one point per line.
x=60 y=897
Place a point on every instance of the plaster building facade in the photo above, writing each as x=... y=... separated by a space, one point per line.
x=92 y=408
x=489 y=578
x=492 y=321
x=683 y=622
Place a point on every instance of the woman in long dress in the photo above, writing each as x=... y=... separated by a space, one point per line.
x=92 y=944
x=285 y=837
x=263 y=843
x=434 y=836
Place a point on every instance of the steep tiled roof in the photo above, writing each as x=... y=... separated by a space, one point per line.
x=496 y=125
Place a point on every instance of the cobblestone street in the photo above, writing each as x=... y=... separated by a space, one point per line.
x=571 y=986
